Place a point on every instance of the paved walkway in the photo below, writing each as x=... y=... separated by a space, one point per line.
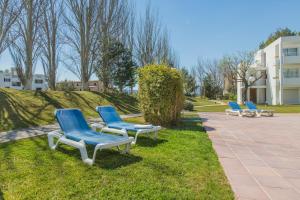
x=260 y=156
x=36 y=131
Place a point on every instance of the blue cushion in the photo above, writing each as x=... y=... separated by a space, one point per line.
x=94 y=138
x=234 y=106
x=75 y=127
x=122 y=125
x=250 y=105
x=108 y=114
x=71 y=120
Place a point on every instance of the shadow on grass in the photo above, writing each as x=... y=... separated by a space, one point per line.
x=189 y=124
x=15 y=114
x=106 y=159
x=149 y=142
x=208 y=128
x=191 y=99
x=1 y=195
x=12 y=114
x=122 y=102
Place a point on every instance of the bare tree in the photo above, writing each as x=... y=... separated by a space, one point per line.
x=153 y=42
x=25 y=48
x=51 y=40
x=246 y=73
x=211 y=69
x=115 y=25
x=82 y=36
x=229 y=66
x=9 y=11
x=148 y=38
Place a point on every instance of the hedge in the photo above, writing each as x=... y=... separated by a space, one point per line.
x=160 y=94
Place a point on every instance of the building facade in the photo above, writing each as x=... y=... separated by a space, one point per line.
x=9 y=79
x=278 y=67
x=93 y=85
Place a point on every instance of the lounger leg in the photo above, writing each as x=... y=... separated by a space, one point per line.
x=155 y=135
x=135 y=138
x=95 y=153
x=51 y=136
x=258 y=114
x=127 y=149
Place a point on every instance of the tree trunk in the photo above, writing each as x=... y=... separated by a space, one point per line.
x=28 y=84
x=85 y=84
x=245 y=92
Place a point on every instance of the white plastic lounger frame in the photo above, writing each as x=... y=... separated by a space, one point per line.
x=103 y=128
x=82 y=147
x=267 y=113
x=243 y=113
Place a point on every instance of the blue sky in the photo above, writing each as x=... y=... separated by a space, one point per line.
x=209 y=29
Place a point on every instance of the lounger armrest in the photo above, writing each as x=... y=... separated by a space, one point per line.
x=56 y=133
x=149 y=130
x=96 y=126
x=117 y=131
x=267 y=110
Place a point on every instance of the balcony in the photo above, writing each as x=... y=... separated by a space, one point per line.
x=261 y=83
x=292 y=60
x=291 y=82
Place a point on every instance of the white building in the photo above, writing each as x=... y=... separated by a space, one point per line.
x=9 y=79
x=278 y=65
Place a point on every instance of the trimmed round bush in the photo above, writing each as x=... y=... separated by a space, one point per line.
x=188 y=105
x=160 y=94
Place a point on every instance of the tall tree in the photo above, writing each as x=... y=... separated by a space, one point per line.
x=207 y=70
x=25 y=48
x=113 y=27
x=246 y=74
x=210 y=89
x=51 y=40
x=82 y=36
x=277 y=34
x=9 y=12
x=124 y=68
x=189 y=82
x=148 y=38
x=229 y=66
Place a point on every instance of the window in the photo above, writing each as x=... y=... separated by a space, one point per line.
x=38 y=81
x=290 y=52
x=16 y=84
x=291 y=73
x=6 y=79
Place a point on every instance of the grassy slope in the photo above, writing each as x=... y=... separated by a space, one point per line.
x=26 y=108
x=180 y=165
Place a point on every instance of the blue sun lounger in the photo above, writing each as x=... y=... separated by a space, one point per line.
x=236 y=110
x=113 y=120
x=251 y=106
x=76 y=132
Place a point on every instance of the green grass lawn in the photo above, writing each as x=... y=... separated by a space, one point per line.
x=200 y=101
x=181 y=164
x=19 y=109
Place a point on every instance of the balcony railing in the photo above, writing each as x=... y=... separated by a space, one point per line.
x=291 y=81
x=258 y=83
x=291 y=59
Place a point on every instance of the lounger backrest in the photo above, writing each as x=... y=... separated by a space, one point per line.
x=71 y=120
x=234 y=106
x=250 y=105
x=108 y=114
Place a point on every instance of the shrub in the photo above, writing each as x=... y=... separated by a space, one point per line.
x=188 y=105
x=160 y=94
x=230 y=96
